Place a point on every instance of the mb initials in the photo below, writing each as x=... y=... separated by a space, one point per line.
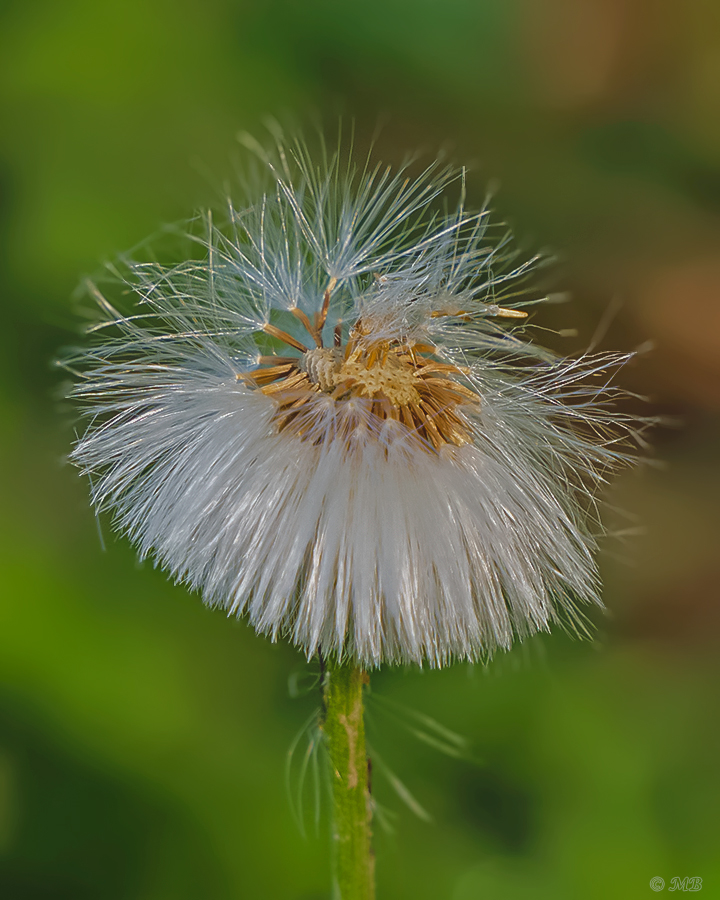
x=685 y=884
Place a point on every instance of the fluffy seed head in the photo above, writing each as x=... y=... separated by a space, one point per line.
x=333 y=423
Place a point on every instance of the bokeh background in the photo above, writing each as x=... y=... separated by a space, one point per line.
x=143 y=738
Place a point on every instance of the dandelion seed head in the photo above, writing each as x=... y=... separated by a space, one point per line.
x=333 y=422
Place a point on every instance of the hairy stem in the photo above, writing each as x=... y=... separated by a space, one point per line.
x=354 y=865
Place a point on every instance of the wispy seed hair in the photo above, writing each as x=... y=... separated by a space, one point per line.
x=330 y=419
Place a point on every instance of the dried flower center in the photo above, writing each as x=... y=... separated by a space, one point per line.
x=322 y=366
x=398 y=380
x=375 y=373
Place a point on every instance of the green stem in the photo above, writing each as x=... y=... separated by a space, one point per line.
x=344 y=729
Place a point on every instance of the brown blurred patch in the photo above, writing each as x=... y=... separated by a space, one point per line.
x=582 y=52
x=573 y=46
x=687 y=611
x=679 y=308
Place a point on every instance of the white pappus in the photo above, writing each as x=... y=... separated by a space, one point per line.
x=332 y=421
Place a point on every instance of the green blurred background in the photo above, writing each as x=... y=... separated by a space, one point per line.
x=142 y=737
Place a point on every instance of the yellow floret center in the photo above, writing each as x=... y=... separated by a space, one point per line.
x=386 y=375
x=376 y=373
x=397 y=379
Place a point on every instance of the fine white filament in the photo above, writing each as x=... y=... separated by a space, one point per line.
x=354 y=535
